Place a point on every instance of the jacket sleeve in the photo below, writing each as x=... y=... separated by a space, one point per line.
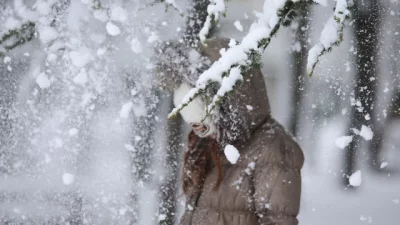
x=277 y=184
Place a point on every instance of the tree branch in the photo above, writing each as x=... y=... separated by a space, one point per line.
x=246 y=55
x=16 y=37
x=332 y=34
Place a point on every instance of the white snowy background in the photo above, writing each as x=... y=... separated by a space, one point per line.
x=74 y=98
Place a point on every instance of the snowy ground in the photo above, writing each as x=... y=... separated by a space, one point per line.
x=325 y=201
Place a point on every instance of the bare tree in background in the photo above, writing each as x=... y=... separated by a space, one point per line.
x=367 y=15
x=167 y=208
x=299 y=62
x=169 y=188
x=376 y=146
x=196 y=18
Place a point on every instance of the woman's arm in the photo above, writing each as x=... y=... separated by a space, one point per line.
x=277 y=183
x=277 y=195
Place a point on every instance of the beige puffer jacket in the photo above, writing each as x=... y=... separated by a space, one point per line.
x=264 y=186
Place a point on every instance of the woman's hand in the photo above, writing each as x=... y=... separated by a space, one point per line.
x=200 y=129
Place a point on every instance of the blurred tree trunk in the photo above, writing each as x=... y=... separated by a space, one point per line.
x=6 y=99
x=393 y=57
x=196 y=18
x=367 y=15
x=143 y=141
x=169 y=188
x=299 y=61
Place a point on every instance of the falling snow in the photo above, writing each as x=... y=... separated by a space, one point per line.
x=355 y=179
x=366 y=133
x=112 y=29
x=231 y=153
x=84 y=134
x=68 y=178
x=344 y=141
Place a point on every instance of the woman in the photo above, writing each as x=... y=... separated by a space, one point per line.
x=264 y=185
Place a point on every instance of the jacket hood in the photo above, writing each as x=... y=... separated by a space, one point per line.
x=177 y=63
x=241 y=112
x=246 y=108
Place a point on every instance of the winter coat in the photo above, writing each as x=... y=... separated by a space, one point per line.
x=264 y=186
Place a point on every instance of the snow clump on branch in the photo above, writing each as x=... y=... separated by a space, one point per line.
x=331 y=35
x=214 y=10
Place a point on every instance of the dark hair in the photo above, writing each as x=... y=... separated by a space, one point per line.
x=197 y=161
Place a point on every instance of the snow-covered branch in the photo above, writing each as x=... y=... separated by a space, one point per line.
x=15 y=37
x=214 y=10
x=238 y=59
x=228 y=84
x=243 y=56
x=172 y=3
x=332 y=34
